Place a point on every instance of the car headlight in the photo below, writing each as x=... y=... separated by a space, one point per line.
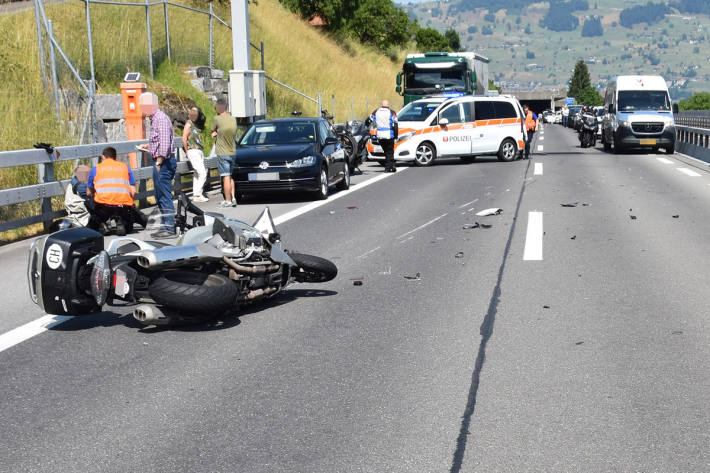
x=405 y=136
x=625 y=123
x=302 y=162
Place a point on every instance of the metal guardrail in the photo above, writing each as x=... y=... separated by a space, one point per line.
x=48 y=187
x=693 y=141
x=693 y=118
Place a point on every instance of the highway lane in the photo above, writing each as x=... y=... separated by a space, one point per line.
x=463 y=369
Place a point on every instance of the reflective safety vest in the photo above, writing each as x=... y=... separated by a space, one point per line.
x=530 y=121
x=112 y=183
x=385 y=122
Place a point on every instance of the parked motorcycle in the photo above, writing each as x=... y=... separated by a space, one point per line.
x=355 y=135
x=588 y=130
x=217 y=265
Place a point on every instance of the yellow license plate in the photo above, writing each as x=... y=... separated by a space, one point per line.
x=647 y=142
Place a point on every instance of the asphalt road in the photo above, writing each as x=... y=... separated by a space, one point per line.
x=579 y=344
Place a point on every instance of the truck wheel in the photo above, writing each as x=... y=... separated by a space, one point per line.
x=425 y=154
x=670 y=149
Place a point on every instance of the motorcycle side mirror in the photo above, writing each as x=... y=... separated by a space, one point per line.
x=675 y=108
x=225 y=231
x=265 y=223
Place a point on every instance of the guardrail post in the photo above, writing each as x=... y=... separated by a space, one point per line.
x=45 y=173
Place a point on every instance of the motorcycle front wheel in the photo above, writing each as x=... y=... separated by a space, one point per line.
x=313 y=268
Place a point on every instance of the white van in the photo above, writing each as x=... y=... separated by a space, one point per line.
x=462 y=127
x=638 y=114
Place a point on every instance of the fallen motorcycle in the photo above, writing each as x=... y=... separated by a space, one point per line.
x=217 y=265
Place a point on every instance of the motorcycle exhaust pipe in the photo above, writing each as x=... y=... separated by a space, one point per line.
x=251 y=270
x=259 y=293
x=174 y=256
x=149 y=314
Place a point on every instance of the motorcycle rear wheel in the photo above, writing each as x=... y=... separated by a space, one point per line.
x=313 y=268
x=194 y=292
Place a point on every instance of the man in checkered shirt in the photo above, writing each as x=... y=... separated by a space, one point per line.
x=164 y=163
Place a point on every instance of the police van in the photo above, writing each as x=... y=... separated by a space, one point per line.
x=463 y=127
x=638 y=114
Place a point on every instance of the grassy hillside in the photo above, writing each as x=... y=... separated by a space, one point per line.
x=296 y=54
x=679 y=44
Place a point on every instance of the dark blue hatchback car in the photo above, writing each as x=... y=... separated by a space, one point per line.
x=290 y=154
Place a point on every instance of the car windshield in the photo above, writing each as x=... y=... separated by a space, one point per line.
x=279 y=133
x=631 y=100
x=416 y=111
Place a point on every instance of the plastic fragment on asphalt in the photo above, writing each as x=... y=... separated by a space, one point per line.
x=676 y=216
x=570 y=205
x=357 y=283
x=352 y=207
x=459 y=254
x=486 y=225
x=677 y=332
x=331 y=212
x=416 y=277
x=468 y=226
x=573 y=237
x=546 y=307
x=488 y=212
x=579 y=343
x=633 y=217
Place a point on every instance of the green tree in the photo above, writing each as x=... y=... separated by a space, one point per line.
x=429 y=39
x=452 y=37
x=580 y=80
x=381 y=23
x=699 y=101
x=335 y=13
x=589 y=96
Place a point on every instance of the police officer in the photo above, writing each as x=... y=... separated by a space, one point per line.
x=112 y=186
x=530 y=127
x=385 y=121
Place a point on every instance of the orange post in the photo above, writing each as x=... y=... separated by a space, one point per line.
x=130 y=92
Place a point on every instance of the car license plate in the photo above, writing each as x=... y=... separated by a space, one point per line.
x=647 y=142
x=263 y=176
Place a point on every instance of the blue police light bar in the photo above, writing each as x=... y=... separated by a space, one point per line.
x=453 y=94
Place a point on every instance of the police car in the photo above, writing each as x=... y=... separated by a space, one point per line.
x=463 y=127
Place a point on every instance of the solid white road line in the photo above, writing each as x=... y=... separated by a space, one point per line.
x=319 y=203
x=29 y=330
x=468 y=203
x=665 y=160
x=422 y=226
x=38 y=326
x=369 y=252
x=688 y=172
x=538 y=169
x=533 y=239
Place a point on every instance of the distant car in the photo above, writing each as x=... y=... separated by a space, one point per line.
x=558 y=117
x=573 y=111
x=291 y=154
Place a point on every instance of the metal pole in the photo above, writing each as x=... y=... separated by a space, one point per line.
x=167 y=27
x=262 y=56
x=150 y=43
x=45 y=173
x=92 y=84
x=40 y=46
x=53 y=65
x=352 y=108
x=332 y=105
x=320 y=105
x=211 y=61
x=240 y=35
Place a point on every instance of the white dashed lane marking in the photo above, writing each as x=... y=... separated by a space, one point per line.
x=539 y=147
x=533 y=239
x=688 y=172
x=665 y=160
x=538 y=169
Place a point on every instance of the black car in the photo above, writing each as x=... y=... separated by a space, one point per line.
x=291 y=154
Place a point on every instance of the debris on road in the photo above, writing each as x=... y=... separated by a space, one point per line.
x=468 y=226
x=676 y=216
x=486 y=225
x=416 y=277
x=579 y=343
x=633 y=217
x=331 y=212
x=677 y=332
x=357 y=283
x=546 y=307
x=570 y=205
x=573 y=237
x=459 y=254
x=488 y=212
x=352 y=207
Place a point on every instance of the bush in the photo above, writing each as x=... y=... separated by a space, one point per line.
x=699 y=101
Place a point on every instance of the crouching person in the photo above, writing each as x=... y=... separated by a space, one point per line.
x=112 y=188
x=75 y=197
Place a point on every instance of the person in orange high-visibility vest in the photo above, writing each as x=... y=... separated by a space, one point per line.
x=530 y=126
x=112 y=188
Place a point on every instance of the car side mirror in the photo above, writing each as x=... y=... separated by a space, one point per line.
x=443 y=122
x=675 y=108
x=330 y=140
x=398 y=89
